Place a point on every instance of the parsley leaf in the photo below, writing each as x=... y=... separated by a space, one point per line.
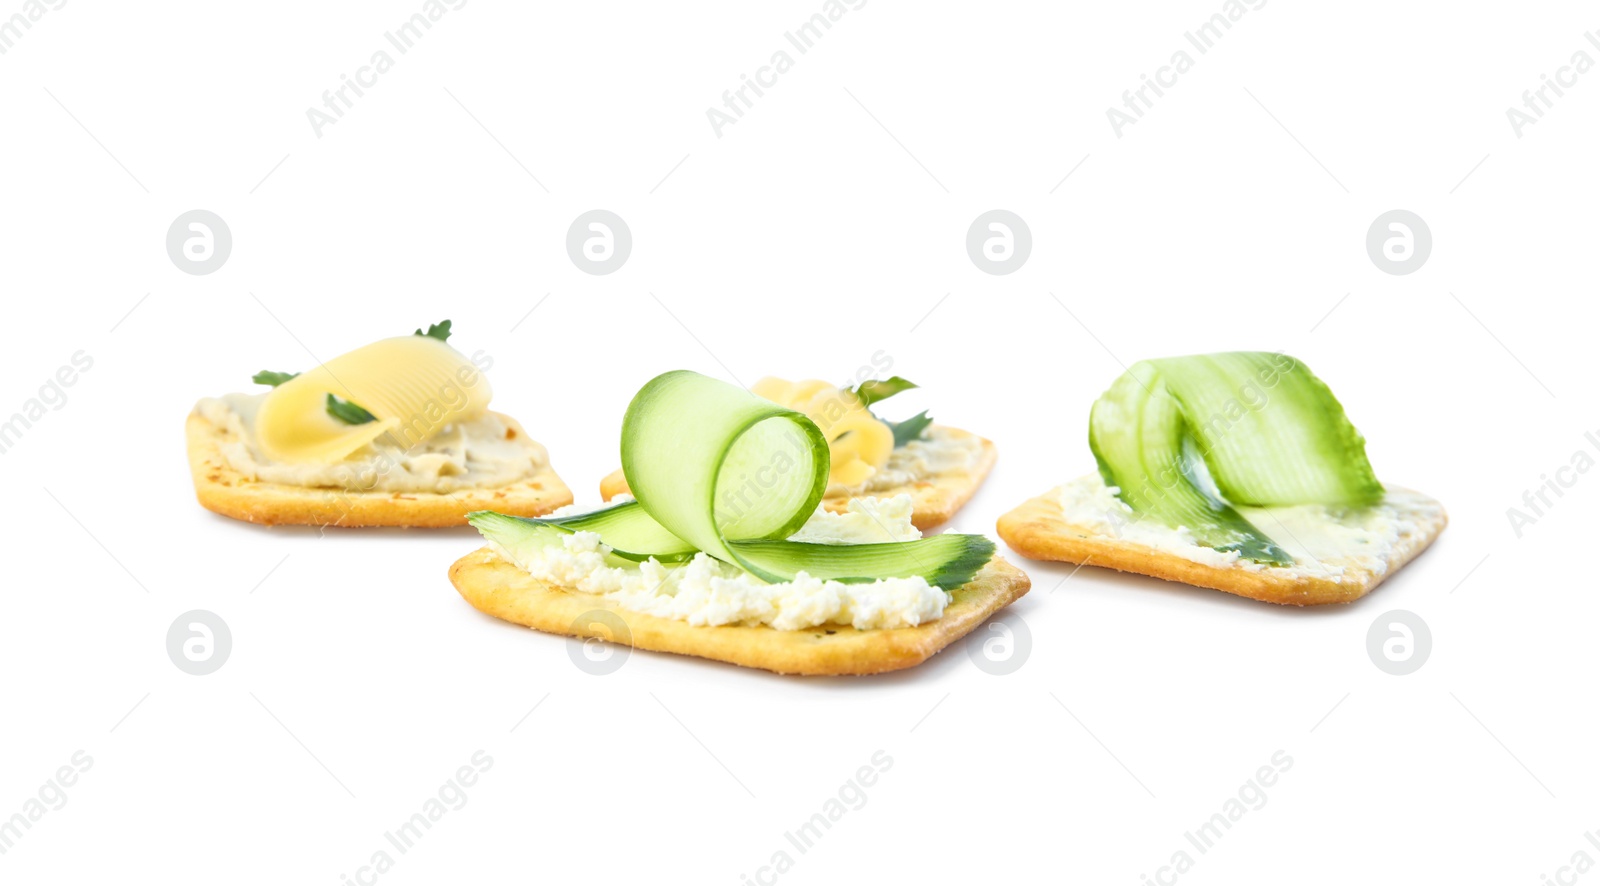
x=440 y=331
x=910 y=429
x=348 y=412
x=875 y=390
x=268 y=377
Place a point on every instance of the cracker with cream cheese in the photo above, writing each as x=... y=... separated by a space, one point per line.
x=1041 y=529
x=226 y=491
x=497 y=587
x=934 y=499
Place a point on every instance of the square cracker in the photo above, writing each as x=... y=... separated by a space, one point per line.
x=498 y=588
x=933 y=501
x=1039 y=529
x=230 y=493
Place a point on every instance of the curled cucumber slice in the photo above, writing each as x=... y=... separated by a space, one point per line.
x=1185 y=439
x=717 y=469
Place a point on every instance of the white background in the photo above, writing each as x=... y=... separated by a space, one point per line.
x=799 y=243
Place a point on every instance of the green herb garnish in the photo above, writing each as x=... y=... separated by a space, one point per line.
x=348 y=412
x=879 y=390
x=910 y=429
x=268 y=377
x=440 y=331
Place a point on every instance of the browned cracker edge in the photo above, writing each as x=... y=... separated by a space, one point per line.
x=1038 y=529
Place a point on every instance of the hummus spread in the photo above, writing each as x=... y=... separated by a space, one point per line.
x=477 y=453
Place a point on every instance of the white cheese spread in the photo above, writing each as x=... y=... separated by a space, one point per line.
x=705 y=591
x=1324 y=542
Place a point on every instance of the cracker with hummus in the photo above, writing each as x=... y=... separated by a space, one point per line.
x=1235 y=472
x=940 y=467
x=705 y=562
x=397 y=433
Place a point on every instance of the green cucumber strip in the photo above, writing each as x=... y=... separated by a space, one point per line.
x=1184 y=439
x=522 y=536
x=710 y=462
x=630 y=531
x=717 y=469
x=946 y=561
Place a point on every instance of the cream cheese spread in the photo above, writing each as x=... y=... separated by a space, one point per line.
x=1325 y=542
x=705 y=591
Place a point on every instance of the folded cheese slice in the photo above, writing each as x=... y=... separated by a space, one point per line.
x=414 y=385
x=858 y=443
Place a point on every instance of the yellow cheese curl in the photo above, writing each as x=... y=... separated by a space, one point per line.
x=858 y=443
x=413 y=385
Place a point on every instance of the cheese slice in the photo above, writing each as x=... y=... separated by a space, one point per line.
x=414 y=385
x=858 y=443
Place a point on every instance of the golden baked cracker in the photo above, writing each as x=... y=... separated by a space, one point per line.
x=933 y=501
x=1040 y=530
x=497 y=587
x=230 y=493
x=613 y=485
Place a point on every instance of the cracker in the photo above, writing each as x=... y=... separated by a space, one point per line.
x=232 y=494
x=498 y=588
x=933 y=501
x=1040 y=530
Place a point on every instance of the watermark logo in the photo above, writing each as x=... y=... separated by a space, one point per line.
x=199 y=642
x=403 y=38
x=852 y=796
x=1399 y=642
x=1138 y=101
x=742 y=98
x=599 y=242
x=1002 y=646
x=999 y=242
x=51 y=797
x=1536 y=101
x=52 y=397
x=1580 y=862
x=1251 y=797
x=1399 y=242
x=606 y=645
x=199 y=242
x=452 y=796
x=1538 y=501
x=12 y=29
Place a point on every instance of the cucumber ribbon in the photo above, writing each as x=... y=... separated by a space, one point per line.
x=1188 y=440
x=717 y=469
